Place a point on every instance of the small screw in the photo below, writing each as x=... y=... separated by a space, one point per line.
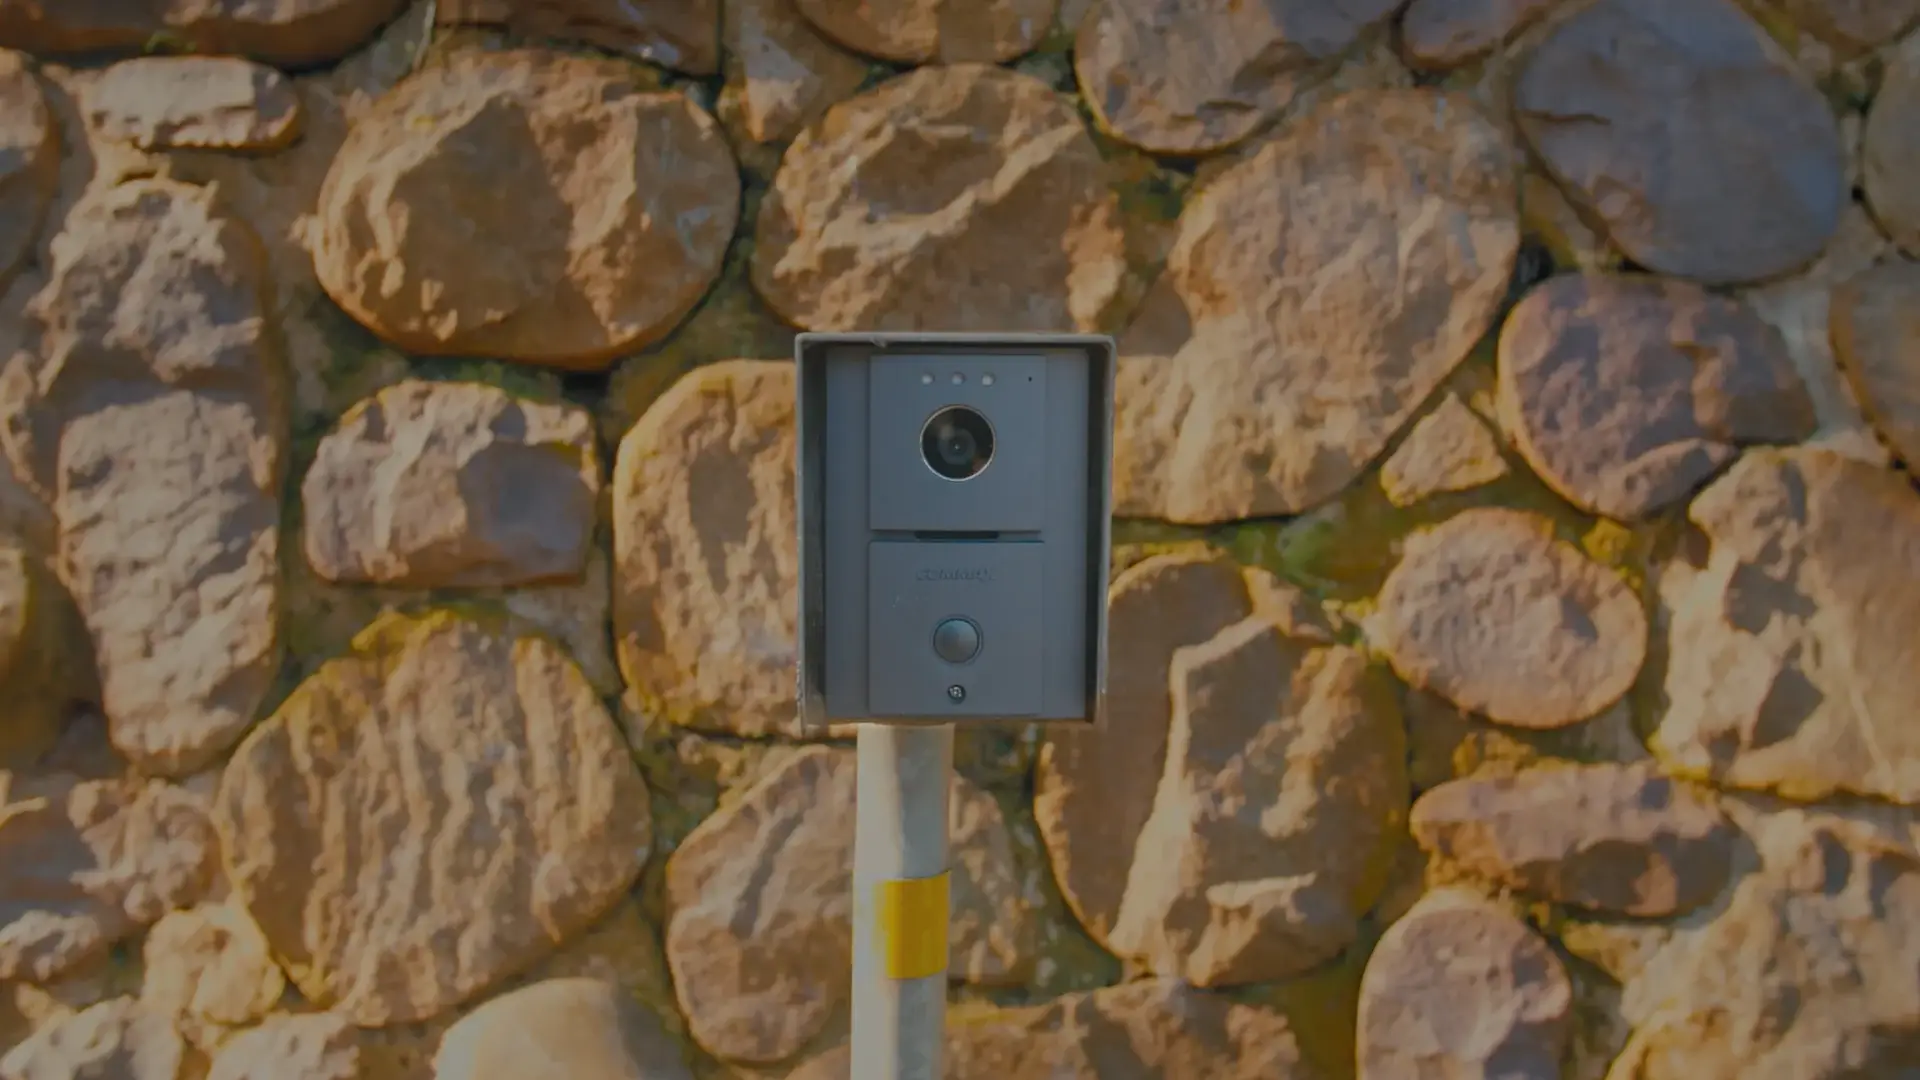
x=956 y=693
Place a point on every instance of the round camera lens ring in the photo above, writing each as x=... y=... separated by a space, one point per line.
x=978 y=439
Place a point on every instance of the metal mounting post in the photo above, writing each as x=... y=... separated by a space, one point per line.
x=901 y=901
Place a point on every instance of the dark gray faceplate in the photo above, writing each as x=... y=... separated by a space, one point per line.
x=890 y=549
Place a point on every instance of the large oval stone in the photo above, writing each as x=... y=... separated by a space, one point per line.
x=1088 y=787
x=1493 y=613
x=1626 y=393
x=1890 y=152
x=1210 y=675
x=428 y=814
x=1251 y=867
x=1682 y=128
x=195 y=103
x=149 y=409
x=1876 y=336
x=1459 y=988
x=527 y=205
x=1333 y=279
x=706 y=561
x=453 y=485
x=951 y=197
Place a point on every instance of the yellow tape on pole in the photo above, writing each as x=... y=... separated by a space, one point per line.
x=910 y=919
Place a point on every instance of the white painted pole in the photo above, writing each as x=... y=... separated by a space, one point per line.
x=901 y=902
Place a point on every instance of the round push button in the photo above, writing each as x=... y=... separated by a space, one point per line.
x=956 y=641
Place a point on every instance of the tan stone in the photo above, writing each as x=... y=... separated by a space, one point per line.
x=1018 y=227
x=934 y=31
x=29 y=159
x=1333 y=279
x=208 y=969
x=1088 y=790
x=148 y=407
x=291 y=33
x=786 y=73
x=1689 y=134
x=429 y=814
x=1876 y=335
x=1614 y=838
x=1144 y=1030
x=195 y=102
x=114 y=1040
x=1197 y=76
x=46 y=660
x=1449 y=450
x=1890 y=151
x=684 y=34
x=759 y=897
x=1626 y=393
x=1493 y=613
x=705 y=559
x=560 y=1029
x=1459 y=989
x=1440 y=34
x=1252 y=866
x=1809 y=973
x=306 y=1046
x=89 y=864
x=453 y=485
x=1796 y=644
x=592 y=215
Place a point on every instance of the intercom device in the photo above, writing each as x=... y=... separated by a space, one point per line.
x=954 y=515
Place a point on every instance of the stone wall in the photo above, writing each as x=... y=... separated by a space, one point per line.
x=1517 y=575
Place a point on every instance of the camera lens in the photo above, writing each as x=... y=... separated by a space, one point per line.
x=957 y=442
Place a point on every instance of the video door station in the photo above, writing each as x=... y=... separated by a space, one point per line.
x=954 y=495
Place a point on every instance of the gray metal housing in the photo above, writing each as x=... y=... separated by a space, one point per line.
x=888 y=549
